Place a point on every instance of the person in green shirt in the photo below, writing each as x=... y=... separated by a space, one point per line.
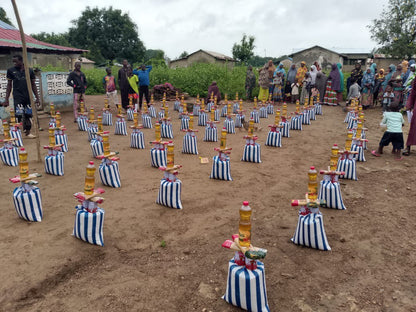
x=133 y=88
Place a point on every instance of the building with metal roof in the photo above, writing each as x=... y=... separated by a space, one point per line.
x=202 y=56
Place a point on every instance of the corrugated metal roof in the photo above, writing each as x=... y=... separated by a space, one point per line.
x=10 y=38
x=342 y=51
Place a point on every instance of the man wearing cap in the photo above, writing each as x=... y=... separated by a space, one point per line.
x=144 y=82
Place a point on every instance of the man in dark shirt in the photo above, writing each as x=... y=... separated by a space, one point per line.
x=16 y=79
x=76 y=79
x=123 y=83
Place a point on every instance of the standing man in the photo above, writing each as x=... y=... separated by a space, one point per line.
x=21 y=98
x=109 y=83
x=123 y=83
x=144 y=82
x=78 y=81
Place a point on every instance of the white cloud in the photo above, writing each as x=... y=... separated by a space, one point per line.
x=176 y=26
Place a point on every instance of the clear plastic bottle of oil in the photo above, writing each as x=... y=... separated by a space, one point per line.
x=170 y=157
x=312 y=184
x=223 y=141
x=23 y=164
x=277 y=117
x=89 y=179
x=106 y=144
x=157 y=131
x=244 y=227
x=334 y=157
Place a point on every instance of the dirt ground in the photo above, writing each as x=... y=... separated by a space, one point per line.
x=372 y=265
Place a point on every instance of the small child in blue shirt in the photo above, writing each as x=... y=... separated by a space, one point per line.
x=394 y=134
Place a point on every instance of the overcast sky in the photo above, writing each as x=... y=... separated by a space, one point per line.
x=189 y=25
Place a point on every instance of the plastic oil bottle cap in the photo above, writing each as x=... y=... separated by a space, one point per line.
x=312 y=168
x=91 y=162
x=245 y=203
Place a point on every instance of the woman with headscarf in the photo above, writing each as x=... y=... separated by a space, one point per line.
x=280 y=69
x=373 y=68
x=291 y=74
x=213 y=89
x=250 y=82
x=270 y=69
x=317 y=65
x=392 y=69
x=313 y=73
x=367 y=84
x=356 y=74
x=264 y=82
x=377 y=95
x=301 y=72
x=333 y=85
x=341 y=83
x=409 y=81
x=407 y=72
x=320 y=83
x=410 y=108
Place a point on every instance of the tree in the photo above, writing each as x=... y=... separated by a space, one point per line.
x=107 y=34
x=59 y=39
x=3 y=17
x=244 y=51
x=183 y=54
x=395 y=30
x=154 y=54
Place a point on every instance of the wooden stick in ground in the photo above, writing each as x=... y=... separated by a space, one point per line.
x=35 y=123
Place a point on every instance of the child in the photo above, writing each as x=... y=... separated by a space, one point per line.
x=133 y=89
x=110 y=87
x=288 y=90
x=295 y=91
x=388 y=97
x=277 y=90
x=394 y=121
x=354 y=92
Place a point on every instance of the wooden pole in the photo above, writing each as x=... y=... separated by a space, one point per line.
x=35 y=123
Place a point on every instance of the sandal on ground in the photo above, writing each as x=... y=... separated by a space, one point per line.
x=374 y=153
x=406 y=153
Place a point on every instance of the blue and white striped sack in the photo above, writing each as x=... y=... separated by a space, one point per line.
x=16 y=134
x=28 y=205
x=166 y=131
x=270 y=109
x=310 y=232
x=180 y=112
x=176 y=105
x=202 y=119
x=195 y=110
x=185 y=123
x=147 y=122
x=170 y=194
x=54 y=164
x=209 y=106
x=121 y=127
x=263 y=112
x=211 y=134
x=130 y=115
x=82 y=123
x=306 y=117
x=312 y=114
x=357 y=148
x=107 y=118
x=229 y=125
x=97 y=148
x=296 y=123
x=62 y=139
x=161 y=115
x=217 y=115
x=236 y=107
x=246 y=289
x=158 y=157
x=331 y=193
x=89 y=226
x=10 y=156
x=274 y=139
x=224 y=111
x=252 y=153
x=152 y=111
x=92 y=130
x=189 y=145
x=363 y=136
x=352 y=124
x=349 y=167
x=110 y=173
x=348 y=117
x=137 y=139
x=318 y=109
x=220 y=169
x=286 y=129
x=255 y=116
x=239 y=121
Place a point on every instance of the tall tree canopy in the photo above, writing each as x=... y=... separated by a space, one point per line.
x=244 y=51
x=59 y=39
x=395 y=31
x=4 y=17
x=108 y=34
